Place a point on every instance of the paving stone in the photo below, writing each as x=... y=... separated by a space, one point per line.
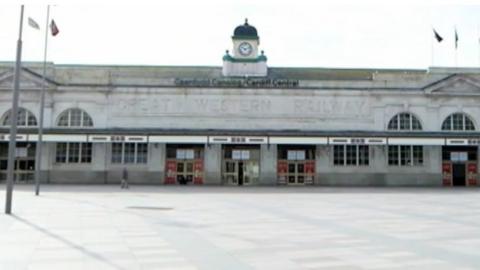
x=160 y=227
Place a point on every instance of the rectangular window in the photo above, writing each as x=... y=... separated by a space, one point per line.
x=129 y=153
x=405 y=155
x=86 y=149
x=123 y=153
x=61 y=155
x=393 y=155
x=417 y=155
x=117 y=152
x=363 y=155
x=142 y=152
x=74 y=153
x=351 y=155
x=338 y=155
x=296 y=153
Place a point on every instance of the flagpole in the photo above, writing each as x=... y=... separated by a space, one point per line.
x=456 y=60
x=13 y=121
x=478 y=43
x=456 y=49
x=431 y=49
x=38 y=156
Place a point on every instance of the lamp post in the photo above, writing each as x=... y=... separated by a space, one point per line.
x=13 y=120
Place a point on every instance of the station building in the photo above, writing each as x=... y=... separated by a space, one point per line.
x=245 y=123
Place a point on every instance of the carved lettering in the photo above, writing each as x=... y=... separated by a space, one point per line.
x=331 y=107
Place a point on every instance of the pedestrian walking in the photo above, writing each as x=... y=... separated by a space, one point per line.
x=124 y=181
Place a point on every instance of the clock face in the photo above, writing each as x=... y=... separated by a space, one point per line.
x=245 y=48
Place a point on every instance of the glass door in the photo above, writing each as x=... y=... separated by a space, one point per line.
x=231 y=172
x=184 y=172
x=296 y=171
x=241 y=165
x=251 y=172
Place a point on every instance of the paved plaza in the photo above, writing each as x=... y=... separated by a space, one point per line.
x=178 y=227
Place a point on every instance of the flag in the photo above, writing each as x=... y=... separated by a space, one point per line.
x=456 y=39
x=53 y=28
x=33 y=23
x=437 y=36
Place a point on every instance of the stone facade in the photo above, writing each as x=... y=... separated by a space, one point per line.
x=295 y=107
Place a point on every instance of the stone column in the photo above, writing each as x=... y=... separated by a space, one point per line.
x=99 y=162
x=213 y=164
x=268 y=164
x=322 y=164
x=432 y=156
x=157 y=153
x=48 y=156
x=378 y=159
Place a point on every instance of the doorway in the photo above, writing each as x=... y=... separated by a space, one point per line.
x=240 y=172
x=459 y=166
x=24 y=166
x=296 y=164
x=296 y=172
x=241 y=165
x=458 y=174
x=184 y=164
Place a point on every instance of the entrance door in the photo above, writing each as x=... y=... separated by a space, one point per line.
x=184 y=164
x=241 y=172
x=458 y=174
x=459 y=165
x=184 y=172
x=24 y=166
x=240 y=165
x=296 y=172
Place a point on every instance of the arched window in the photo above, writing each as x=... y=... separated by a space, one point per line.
x=458 y=121
x=25 y=118
x=404 y=121
x=70 y=152
x=75 y=118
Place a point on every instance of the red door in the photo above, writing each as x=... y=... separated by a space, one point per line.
x=171 y=168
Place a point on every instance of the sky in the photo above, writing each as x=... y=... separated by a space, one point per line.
x=299 y=33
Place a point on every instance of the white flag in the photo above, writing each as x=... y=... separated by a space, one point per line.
x=33 y=23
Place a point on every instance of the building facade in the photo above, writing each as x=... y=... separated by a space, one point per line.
x=246 y=124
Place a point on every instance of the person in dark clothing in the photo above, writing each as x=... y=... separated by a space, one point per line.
x=124 y=181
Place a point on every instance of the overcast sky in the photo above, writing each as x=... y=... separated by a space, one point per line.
x=301 y=33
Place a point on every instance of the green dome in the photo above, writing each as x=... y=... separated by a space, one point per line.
x=245 y=31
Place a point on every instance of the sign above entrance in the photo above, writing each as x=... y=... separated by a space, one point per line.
x=368 y=141
x=237 y=82
x=237 y=140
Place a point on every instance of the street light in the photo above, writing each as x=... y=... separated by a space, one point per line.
x=13 y=118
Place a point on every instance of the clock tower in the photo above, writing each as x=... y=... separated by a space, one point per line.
x=245 y=61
